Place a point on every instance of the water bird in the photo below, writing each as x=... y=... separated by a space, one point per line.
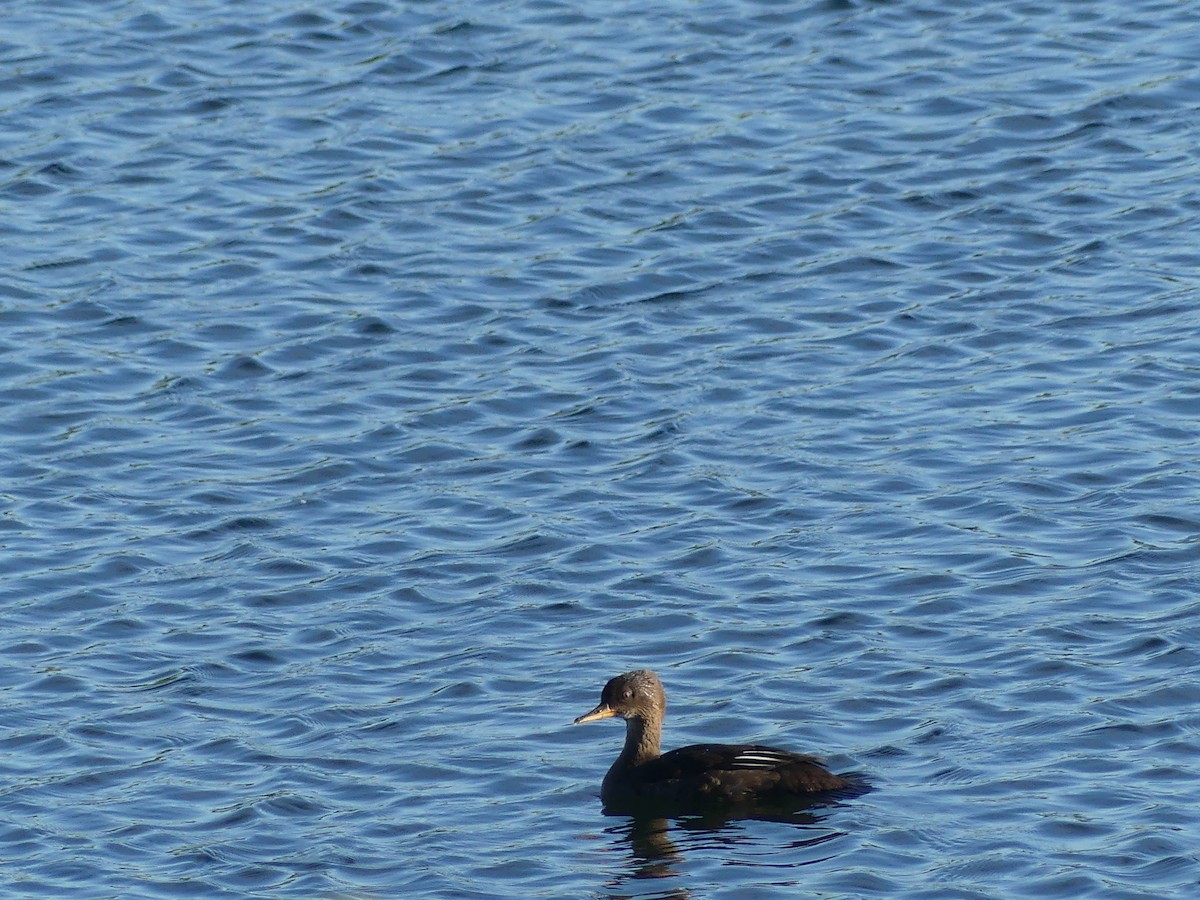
x=699 y=777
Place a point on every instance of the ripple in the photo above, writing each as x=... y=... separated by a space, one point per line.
x=379 y=380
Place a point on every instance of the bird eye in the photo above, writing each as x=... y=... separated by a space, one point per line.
x=626 y=694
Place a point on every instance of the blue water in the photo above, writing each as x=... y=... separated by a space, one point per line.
x=377 y=379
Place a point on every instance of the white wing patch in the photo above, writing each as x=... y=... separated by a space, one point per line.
x=758 y=759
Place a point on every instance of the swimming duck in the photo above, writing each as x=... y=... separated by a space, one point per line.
x=700 y=776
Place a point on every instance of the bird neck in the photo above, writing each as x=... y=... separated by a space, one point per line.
x=643 y=740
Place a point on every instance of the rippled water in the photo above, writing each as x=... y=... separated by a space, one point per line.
x=379 y=378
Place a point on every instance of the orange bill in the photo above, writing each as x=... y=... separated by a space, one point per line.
x=603 y=711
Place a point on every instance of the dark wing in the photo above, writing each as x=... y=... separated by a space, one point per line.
x=737 y=768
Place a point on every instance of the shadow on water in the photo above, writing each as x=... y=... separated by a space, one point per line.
x=658 y=842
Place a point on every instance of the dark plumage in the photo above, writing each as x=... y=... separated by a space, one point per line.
x=698 y=777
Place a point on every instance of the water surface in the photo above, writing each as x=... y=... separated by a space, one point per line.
x=380 y=378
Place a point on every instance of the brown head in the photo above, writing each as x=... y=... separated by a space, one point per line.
x=634 y=695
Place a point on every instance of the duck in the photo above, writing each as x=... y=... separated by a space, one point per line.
x=698 y=777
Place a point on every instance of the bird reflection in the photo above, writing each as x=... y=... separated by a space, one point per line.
x=658 y=845
x=651 y=848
